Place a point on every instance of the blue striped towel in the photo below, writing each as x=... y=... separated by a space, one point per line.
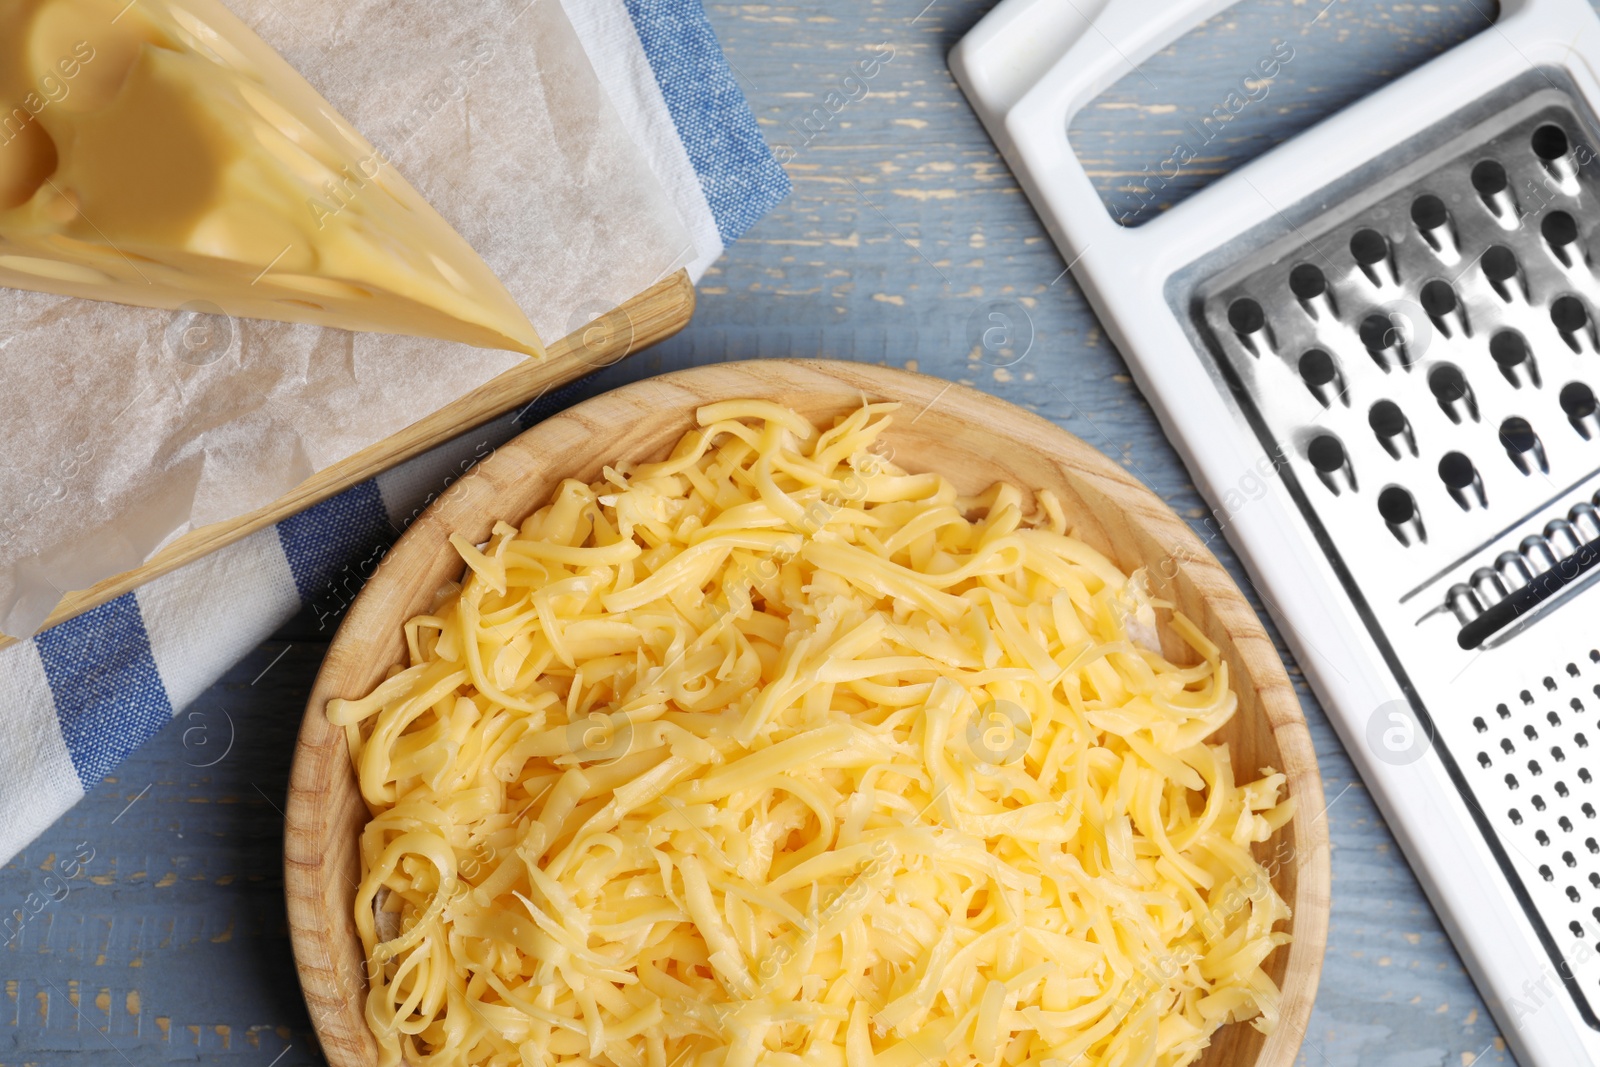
x=77 y=698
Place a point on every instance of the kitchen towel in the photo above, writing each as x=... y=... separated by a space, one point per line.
x=78 y=697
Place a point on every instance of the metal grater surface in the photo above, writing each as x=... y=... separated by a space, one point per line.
x=1420 y=353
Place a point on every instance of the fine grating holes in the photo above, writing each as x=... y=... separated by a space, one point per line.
x=1502 y=711
x=1546 y=873
x=1515 y=816
x=1576 y=927
x=1483 y=759
x=1553 y=719
x=1538 y=802
x=1561 y=789
x=1565 y=824
x=1479 y=725
x=1541 y=837
x=1572 y=894
x=1506 y=745
x=1530 y=733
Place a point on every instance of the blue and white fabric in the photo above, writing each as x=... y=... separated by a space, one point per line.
x=77 y=698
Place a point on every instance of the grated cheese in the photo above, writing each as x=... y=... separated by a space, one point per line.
x=773 y=753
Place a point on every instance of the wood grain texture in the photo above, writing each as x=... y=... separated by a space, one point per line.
x=971 y=438
x=655 y=314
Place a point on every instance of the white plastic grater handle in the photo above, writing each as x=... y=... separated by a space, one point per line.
x=1031 y=65
x=1043 y=60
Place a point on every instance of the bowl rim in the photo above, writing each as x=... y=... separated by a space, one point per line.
x=311 y=880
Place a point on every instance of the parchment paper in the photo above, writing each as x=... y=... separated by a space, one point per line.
x=122 y=428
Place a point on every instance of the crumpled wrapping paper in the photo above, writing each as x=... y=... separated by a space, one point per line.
x=123 y=428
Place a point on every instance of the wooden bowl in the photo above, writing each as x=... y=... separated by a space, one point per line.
x=971 y=438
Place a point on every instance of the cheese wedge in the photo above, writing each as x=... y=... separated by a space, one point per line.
x=159 y=153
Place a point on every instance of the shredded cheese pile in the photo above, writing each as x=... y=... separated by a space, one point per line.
x=774 y=753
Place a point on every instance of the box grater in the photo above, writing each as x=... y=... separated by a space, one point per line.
x=1398 y=314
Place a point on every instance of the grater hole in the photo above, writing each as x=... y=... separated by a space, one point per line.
x=1569 y=314
x=1571 y=861
x=1438 y=299
x=1385 y=340
x=1526 y=697
x=1553 y=719
x=1594 y=655
x=1511 y=781
x=1483 y=759
x=1592 y=845
x=1515 y=816
x=1457 y=471
x=1588 y=810
x=1509 y=349
x=1489 y=178
x=1572 y=669
x=1396 y=506
x=1479 y=725
x=1522 y=444
x=1550 y=683
x=1549 y=142
x=1577 y=400
x=1321 y=375
x=1429 y=212
x=1246 y=316
x=1326 y=453
x=1530 y=733
x=1390 y=424
x=1559 y=228
x=1506 y=745
x=1449 y=386
x=1576 y=928
x=1502 y=711
x=1499 y=264
x=1369 y=247
x=1558 y=755
x=1561 y=789
x=1541 y=837
x=1565 y=824
x=1583 y=775
x=1594 y=876
x=1580 y=740
x=1307 y=281
x=1534 y=768
x=1572 y=894
x=1538 y=802
x=1546 y=873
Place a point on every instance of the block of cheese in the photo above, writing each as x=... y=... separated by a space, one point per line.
x=159 y=153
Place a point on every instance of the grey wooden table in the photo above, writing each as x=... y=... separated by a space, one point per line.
x=903 y=224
